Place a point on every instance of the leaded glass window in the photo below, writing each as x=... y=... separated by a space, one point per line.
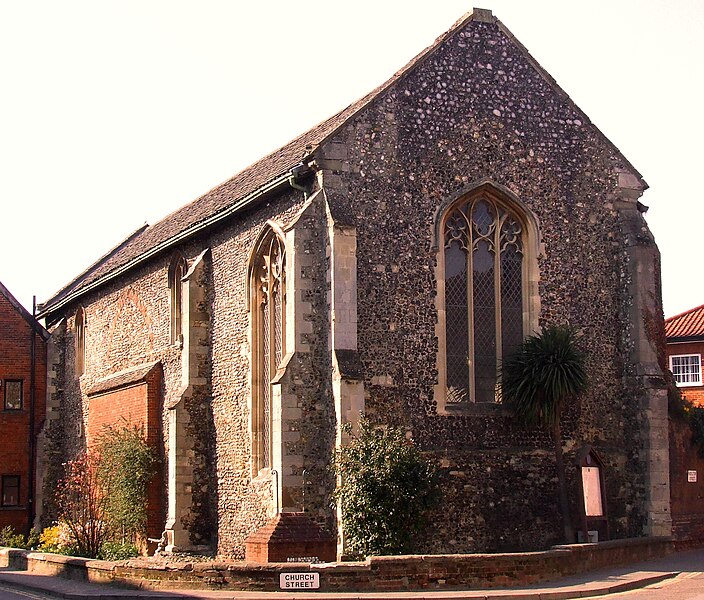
x=269 y=316
x=483 y=258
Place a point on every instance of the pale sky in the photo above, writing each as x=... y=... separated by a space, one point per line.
x=113 y=113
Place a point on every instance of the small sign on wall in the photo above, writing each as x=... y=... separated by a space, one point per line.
x=691 y=476
x=299 y=581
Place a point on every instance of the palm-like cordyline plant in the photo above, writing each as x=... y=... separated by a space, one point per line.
x=537 y=381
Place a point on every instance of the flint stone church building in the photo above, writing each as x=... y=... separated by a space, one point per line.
x=384 y=263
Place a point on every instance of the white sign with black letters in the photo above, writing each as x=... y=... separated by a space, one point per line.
x=299 y=581
x=692 y=476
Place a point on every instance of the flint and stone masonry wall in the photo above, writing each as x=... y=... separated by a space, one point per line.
x=361 y=315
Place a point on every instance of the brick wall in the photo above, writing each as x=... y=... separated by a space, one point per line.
x=16 y=363
x=136 y=404
x=376 y=574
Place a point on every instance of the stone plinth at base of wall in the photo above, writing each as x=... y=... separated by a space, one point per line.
x=376 y=574
x=290 y=537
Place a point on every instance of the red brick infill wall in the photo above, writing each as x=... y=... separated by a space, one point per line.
x=384 y=573
x=136 y=404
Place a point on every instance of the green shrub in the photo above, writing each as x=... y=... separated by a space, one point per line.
x=126 y=467
x=386 y=487
x=103 y=496
x=11 y=539
x=118 y=551
x=696 y=423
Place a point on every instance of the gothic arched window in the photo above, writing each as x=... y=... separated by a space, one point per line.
x=268 y=310
x=177 y=271
x=80 y=338
x=484 y=299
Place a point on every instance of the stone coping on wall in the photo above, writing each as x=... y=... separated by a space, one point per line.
x=378 y=573
x=128 y=377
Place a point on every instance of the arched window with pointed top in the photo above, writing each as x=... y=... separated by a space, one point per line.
x=80 y=340
x=177 y=271
x=486 y=293
x=267 y=295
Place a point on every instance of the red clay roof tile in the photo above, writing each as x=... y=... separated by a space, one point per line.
x=686 y=324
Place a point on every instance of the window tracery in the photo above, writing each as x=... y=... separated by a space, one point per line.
x=484 y=295
x=268 y=340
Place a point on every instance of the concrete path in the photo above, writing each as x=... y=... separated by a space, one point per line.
x=583 y=586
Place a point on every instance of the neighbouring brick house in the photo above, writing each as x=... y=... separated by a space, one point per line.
x=23 y=393
x=384 y=262
x=685 y=348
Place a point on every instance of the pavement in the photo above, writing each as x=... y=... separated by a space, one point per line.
x=597 y=583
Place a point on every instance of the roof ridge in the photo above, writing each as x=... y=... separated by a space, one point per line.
x=683 y=314
x=343 y=116
x=249 y=184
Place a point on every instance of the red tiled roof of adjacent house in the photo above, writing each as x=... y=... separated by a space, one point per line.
x=228 y=196
x=687 y=324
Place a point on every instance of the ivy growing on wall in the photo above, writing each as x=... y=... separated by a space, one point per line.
x=684 y=410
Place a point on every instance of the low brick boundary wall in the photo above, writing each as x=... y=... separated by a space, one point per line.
x=379 y=573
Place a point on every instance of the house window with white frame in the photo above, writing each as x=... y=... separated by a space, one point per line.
x=687 y=369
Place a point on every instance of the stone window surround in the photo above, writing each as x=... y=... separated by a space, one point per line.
x=689 y=369
x=80 y=340
x=6 y=401
x=16 y=486
x=259 y=468
x=530 y=276
x=177 y=271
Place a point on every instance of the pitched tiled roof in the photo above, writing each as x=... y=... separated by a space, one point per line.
x=175 y=226
x=228 y=197
x=689 y=324
x=23 y=312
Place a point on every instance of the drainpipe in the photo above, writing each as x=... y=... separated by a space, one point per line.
x=32 y=391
